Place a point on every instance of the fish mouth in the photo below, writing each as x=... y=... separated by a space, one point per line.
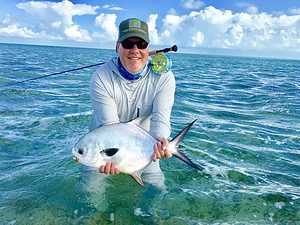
x=76 y=159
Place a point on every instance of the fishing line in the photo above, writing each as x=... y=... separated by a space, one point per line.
x=173 y=48
x=52 y=74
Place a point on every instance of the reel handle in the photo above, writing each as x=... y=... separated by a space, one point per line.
x=173 y=48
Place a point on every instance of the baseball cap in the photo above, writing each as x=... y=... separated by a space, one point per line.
x=133 y=28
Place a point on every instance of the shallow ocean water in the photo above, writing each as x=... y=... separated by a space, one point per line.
x=247 y=137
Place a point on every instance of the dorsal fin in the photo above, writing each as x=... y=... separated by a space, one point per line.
x=139 y=120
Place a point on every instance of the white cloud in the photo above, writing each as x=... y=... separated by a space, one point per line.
x=173 y=21
x=64 y=7
x=6 y=19
x=56 y=24
x=214 y=28
x=57 y=17
x=233 y=36
x=172 y=11
x=206 y=28
x=63 y=11
x=106 y=6
x=75 y=33
x=295 y=11
x=192 y=4
x=112 y=7
x=250 y=8
x=108 y=29
x=197 y=39
x=152 y=28
x=15 y=30
x=11 y=28
x=117 y=8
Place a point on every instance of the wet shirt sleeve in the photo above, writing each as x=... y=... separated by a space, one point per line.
x=162 y=106
x=104 y=107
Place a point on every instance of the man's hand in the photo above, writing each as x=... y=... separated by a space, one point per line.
x=160 y=149
x=109 y=168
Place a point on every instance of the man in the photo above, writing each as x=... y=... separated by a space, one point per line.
x=126 y=87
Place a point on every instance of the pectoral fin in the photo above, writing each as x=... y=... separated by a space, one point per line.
x=110 y=151
x=137 y=177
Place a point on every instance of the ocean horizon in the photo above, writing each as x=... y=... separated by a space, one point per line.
x=183 y=50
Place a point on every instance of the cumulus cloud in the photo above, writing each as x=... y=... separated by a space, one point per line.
x=11 y=28
x=250 y=8
x=197 y=39
x=6 y=19
x=172 y=11
x=63 y=11
x=206 y=28
x=15 y=30
x=192 y=4
x=295 y=11
x=76 y=34
x=113 y=7
x=108 y=30
x=214 y=28
x=56 y=18
x=152 y=28
x=117 y=8
x=56 y=24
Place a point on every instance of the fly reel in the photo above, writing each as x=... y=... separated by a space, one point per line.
x=161 y=63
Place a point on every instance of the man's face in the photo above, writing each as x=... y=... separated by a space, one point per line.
x=133 y=59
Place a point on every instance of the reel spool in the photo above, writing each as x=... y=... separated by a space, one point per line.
x=161 y=63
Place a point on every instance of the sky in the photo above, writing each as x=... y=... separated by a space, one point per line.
x=267 y=28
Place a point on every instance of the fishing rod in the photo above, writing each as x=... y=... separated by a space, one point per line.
x=52 y=74
x=174 y=48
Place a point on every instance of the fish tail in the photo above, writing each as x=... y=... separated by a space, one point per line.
x=175 y=145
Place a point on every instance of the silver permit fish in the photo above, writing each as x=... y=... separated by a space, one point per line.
x=127 y=145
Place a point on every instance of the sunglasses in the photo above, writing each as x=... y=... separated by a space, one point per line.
x=129 y=44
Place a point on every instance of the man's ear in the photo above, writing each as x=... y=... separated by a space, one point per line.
x=117 y=46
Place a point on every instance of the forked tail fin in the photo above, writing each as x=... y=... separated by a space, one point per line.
x=174 y=145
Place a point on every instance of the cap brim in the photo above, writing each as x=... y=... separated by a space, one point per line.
x=124 y=37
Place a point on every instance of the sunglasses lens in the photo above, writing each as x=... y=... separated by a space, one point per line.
x=142 y=44
x=129 y=44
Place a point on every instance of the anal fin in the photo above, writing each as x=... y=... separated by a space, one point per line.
x=137 y=177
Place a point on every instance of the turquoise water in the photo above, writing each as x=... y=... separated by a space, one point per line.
x=247 y=138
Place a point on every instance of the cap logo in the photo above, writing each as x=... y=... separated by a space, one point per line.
x=135 y=24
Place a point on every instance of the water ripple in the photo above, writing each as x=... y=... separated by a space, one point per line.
x=246 y=137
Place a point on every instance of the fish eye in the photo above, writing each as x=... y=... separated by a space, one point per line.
x=80 y=151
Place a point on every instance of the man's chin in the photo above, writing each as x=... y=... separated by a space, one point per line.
x=134 y=70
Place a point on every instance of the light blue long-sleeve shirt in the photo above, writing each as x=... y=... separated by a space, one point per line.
x=116 y=99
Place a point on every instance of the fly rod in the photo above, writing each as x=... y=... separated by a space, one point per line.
x=174 y=48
